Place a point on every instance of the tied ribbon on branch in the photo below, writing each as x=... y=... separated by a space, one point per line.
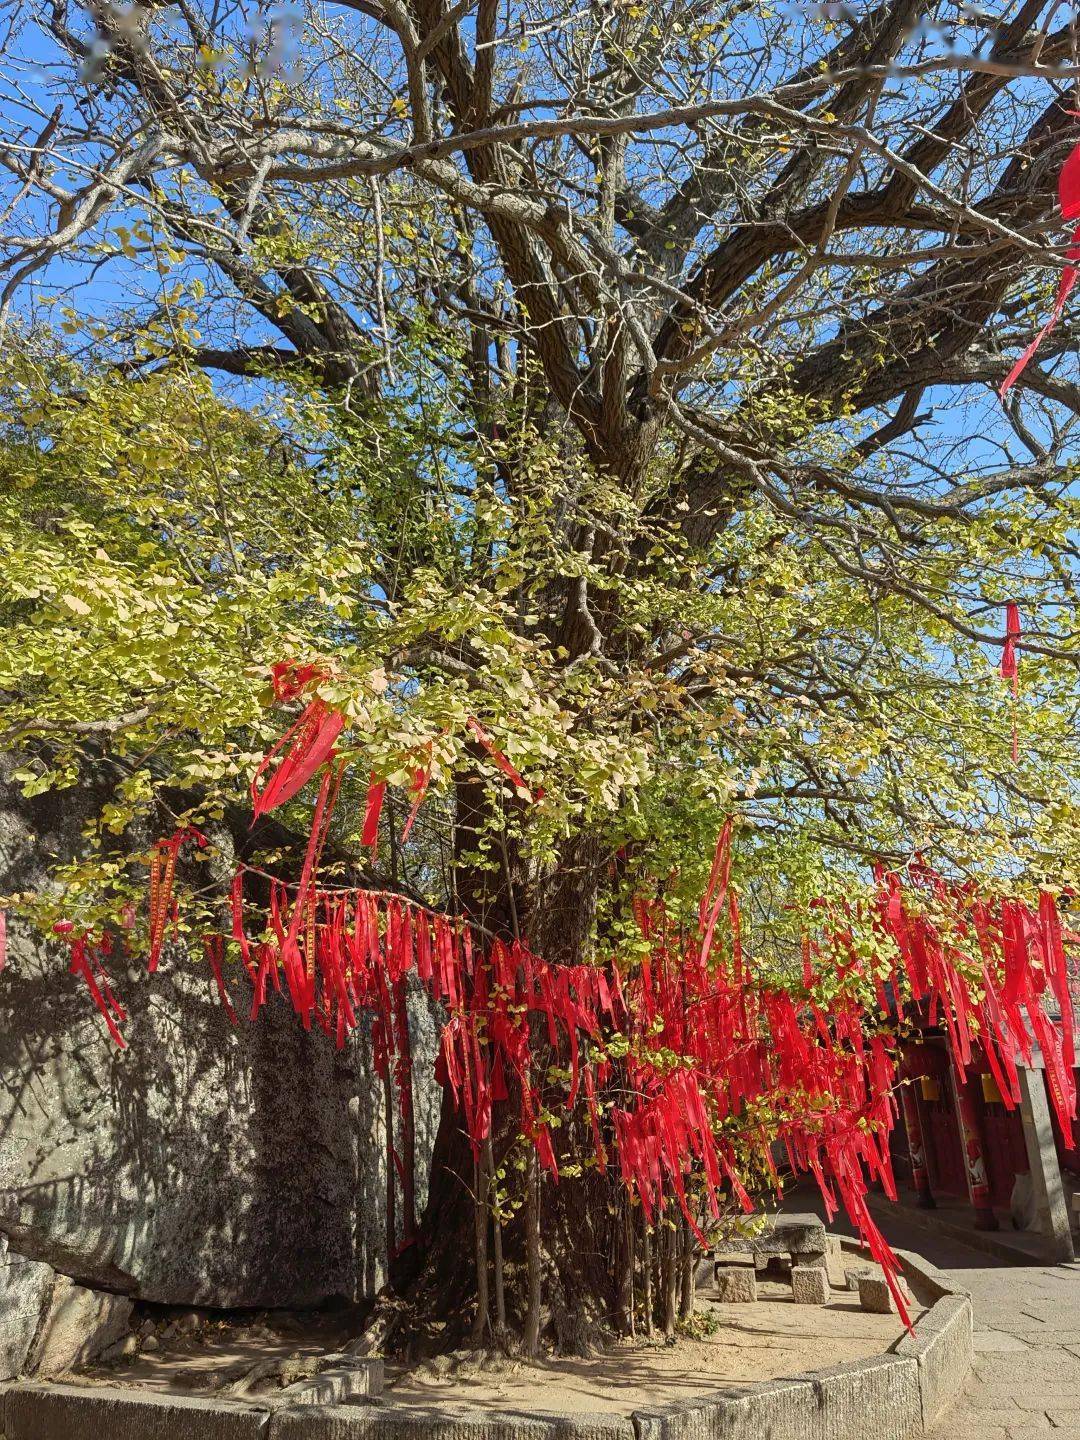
x=1069 y=204
x=1010 y=663
x=304 y=747
x=88 y=961
x=162 y=879
x=500 y=760
x=738 y=1046
x=369 y=836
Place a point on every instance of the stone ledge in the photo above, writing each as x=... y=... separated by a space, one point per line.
x=941 y=1347
x=875 y=1399
x=347 y=1378
x=32 y=1411
x=376 y=1422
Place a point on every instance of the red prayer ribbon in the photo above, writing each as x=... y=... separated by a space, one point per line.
x=1069 y=203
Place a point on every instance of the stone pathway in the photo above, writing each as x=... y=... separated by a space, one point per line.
x=1026 y=1378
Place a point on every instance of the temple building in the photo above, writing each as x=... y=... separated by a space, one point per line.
x=960 y=1145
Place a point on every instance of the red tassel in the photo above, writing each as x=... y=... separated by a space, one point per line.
x=162 y=876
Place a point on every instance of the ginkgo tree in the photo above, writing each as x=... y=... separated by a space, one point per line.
x=652 y=442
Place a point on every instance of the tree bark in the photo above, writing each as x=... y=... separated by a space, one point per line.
x=647 y=1274
x=532 y=1254
x=626 y=1278
x=689 y=1259
x=481 y=1322
x=391 y=1183
x=670 y=1234
x=497 y=1248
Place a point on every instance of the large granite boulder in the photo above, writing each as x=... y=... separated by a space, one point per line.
x=204 y=1164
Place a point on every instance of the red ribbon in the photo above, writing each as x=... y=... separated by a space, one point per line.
x=1069 y=203
x=500 y=759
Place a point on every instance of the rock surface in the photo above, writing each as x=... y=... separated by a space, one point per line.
x=25 y=1288
x=78 y=1324
x=48 y=1323
x=204 y=1165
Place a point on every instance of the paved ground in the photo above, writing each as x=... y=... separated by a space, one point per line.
x=1026 y=1378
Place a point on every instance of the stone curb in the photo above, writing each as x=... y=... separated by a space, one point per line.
x=874 y=1399
x=942 y=1344
x=374 y=1422
x=31 y=1410
x=888 y=1397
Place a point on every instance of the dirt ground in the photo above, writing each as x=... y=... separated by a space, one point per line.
x=751 y=1343
x=745 y=1344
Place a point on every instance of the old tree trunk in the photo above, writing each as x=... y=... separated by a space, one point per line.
x=506 y=1255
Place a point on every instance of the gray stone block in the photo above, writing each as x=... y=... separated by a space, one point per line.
x=33 y=1411
x=874 y=1399
x=77 y=1326
x=782 y=1235
x=348 y=1377
x=387 y=1422
x=25 y=1288
x=851 y=1276
x=736 y=1284
x=942 y=1349
x=810 y=1285
x=874 y=1294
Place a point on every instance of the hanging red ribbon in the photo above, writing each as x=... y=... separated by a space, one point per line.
x=707 y=1049
x=1069 y=203
x=369 y=836
x=86 y=959
x=500 y=759
x=418 y=789
x=1010 y=661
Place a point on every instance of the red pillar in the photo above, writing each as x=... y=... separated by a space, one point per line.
x=974 y=1152
x=920 y=1177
